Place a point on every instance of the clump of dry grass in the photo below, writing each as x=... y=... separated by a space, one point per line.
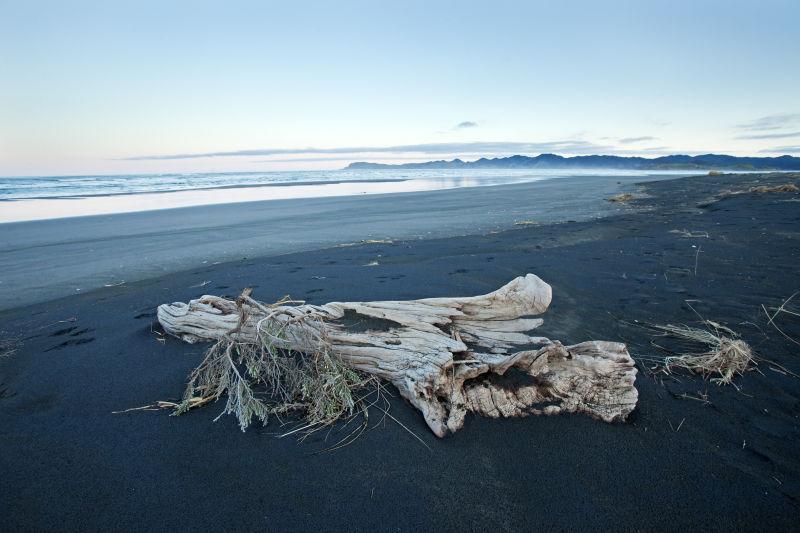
x=726 y=354
x=264 y=378
x=760 y=189
x=786 y=187
x=621 y=198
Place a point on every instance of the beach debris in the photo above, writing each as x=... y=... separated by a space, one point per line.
x=679 y=425
x=779 y=310
x=726 y=355
x=621 y=198
x=365 y=241
x=190 y=403
x=760 y=189
x=447 y=356
x=690 y=234
x=786 y=187
x=696 y=257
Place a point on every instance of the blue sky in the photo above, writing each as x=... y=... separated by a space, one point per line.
x=99 y=87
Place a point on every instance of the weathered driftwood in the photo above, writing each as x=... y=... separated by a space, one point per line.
x=447 y=356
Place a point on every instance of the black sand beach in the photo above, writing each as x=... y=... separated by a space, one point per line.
x=95 y=251
x=68 y=463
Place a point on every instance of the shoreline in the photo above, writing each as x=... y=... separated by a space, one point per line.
x=43 y=207
x=220 y=187
x=95 y=251
x=85 y=356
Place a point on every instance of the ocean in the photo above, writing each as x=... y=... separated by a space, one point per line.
x=44 y=197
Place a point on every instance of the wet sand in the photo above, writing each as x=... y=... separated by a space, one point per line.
x=67 y=462
x=46 y=259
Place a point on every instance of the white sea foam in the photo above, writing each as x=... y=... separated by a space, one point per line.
x=37 y=198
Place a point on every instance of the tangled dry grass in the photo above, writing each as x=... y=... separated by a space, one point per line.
x=725 y=355
x=786 y=187
x=264 y=378
x=760 y=189
x=621 y=198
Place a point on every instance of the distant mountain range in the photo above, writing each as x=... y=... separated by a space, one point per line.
x=552 y=161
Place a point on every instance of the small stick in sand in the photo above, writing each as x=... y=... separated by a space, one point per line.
x=781 y=309
x=696 y=257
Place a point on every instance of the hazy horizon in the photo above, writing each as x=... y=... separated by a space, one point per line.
x=93 y=88
x=346 y=161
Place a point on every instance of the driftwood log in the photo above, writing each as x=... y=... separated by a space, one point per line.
x=447 y=356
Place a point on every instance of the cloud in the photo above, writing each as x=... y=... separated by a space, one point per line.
x=570 y=146
x=339 y=158
x=656 y=149
x=782 y=150
x=646 y=151
x=631 y=140
x=466 y=124
x=770 y=135
x=771 y=122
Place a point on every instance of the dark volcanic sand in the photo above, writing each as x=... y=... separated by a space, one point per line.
x=67 y=462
